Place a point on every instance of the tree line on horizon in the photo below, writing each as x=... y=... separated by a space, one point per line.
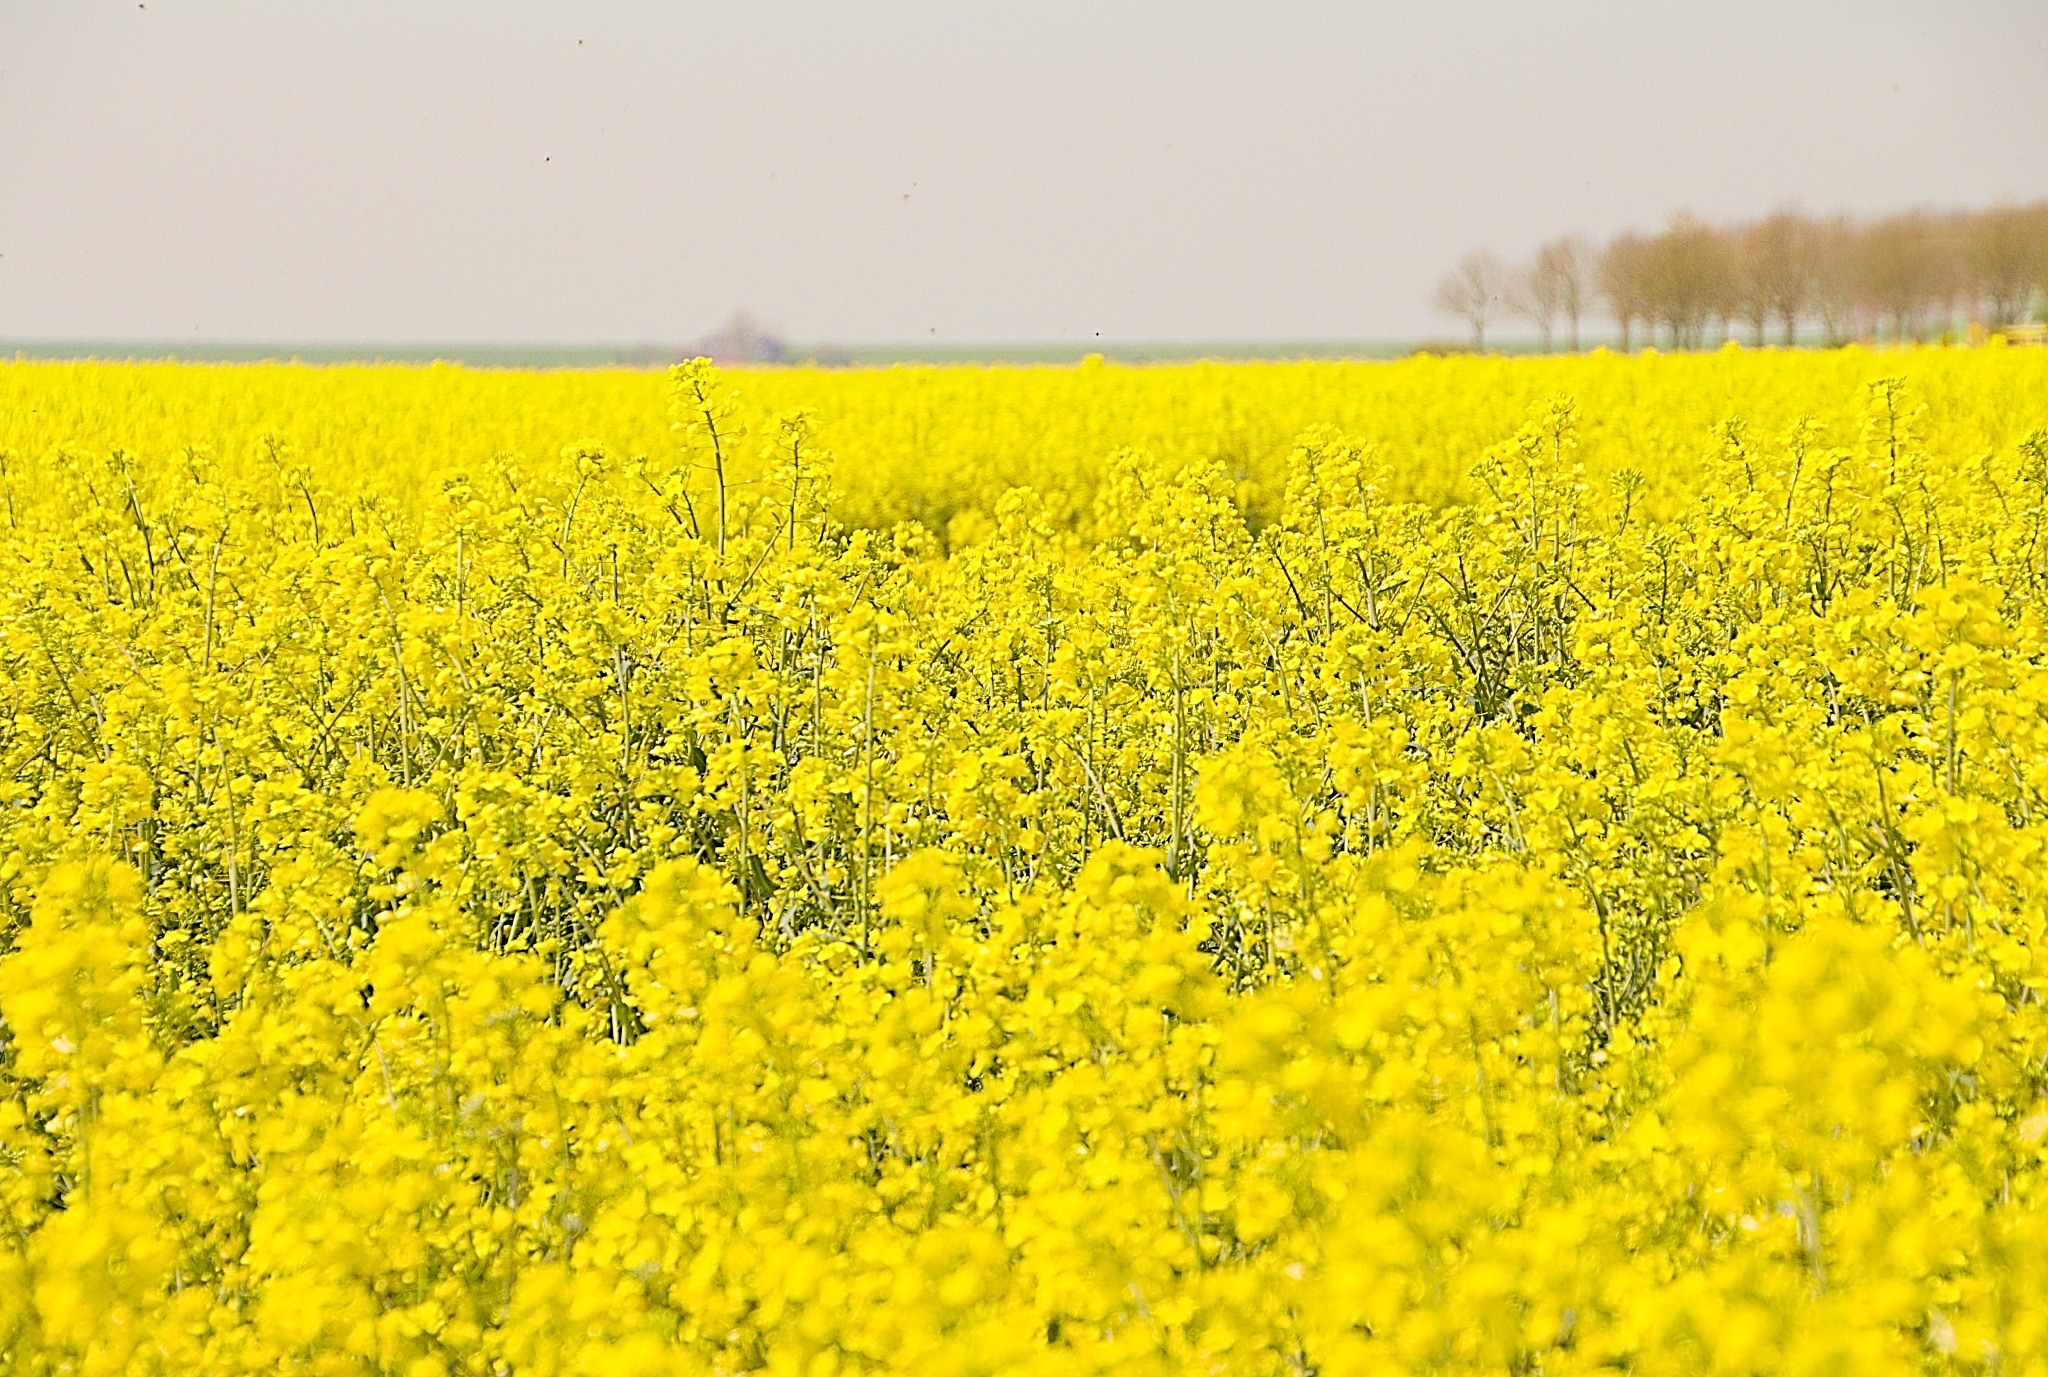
x=1911 y=276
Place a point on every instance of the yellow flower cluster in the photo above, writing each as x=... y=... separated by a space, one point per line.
x=1458 y=866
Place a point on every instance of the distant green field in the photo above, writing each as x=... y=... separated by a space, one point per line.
x=645 y=355
x=474 y=355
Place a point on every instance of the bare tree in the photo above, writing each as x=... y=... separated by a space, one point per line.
x=2007 y=256
x=2041 y=272
x=1474 y=291
x=1774 y=272
x=1570 y=261
x=1624 y=272
x=1749 y=290
x=1899 y=272
x=1949 y=279
x=1688 y=270
x=1834 y=253
x=1796 y=278
x=1554 y=287
x=1534 y=297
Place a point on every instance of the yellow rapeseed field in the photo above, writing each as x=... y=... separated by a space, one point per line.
x=1450 y=866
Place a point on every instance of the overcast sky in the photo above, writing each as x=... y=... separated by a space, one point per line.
x=954 y=171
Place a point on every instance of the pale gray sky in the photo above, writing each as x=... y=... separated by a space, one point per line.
x=953 y=171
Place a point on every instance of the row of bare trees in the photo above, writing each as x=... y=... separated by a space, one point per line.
x=1787 y=275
